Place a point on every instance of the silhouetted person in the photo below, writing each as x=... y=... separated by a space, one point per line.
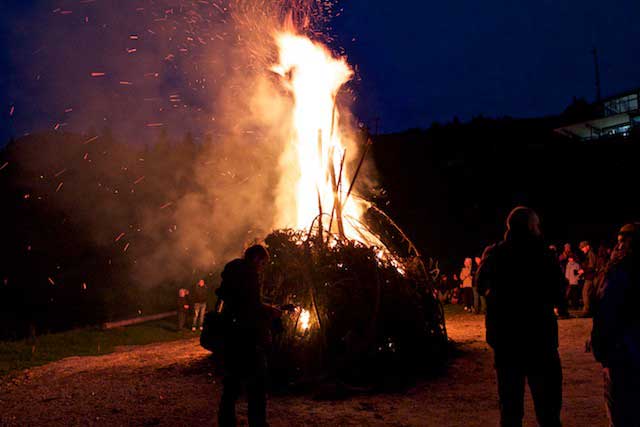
x=588 y=271
x=479 y=301
x=603 y=256
x=183 y=307
x=455 y=292
x=199 y=298
x=615 y=338
x=522 y=283
x=444 y=289
x=563 y=307
x=247 y=322
x=567 y=253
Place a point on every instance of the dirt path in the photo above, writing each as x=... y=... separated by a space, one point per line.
x=171 y=384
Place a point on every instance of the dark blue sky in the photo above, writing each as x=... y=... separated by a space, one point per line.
x=418 y=61
x=430 y=60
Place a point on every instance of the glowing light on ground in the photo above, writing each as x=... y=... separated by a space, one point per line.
x=305 y=316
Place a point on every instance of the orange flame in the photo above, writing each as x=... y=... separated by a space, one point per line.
x=313 y=161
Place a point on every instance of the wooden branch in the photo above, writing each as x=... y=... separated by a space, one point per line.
x=357 y=172
x=136 y=320
x=320 y=237
x=337 y=206
x=337 y=191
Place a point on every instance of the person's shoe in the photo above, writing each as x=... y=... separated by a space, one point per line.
x=193 y=329
x=200 y=327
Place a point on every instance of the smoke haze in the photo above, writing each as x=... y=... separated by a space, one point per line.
x=133 y=78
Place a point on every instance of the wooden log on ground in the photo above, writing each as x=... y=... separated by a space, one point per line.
x=136 y=320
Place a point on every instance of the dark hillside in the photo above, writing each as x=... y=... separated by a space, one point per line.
x=451 y=186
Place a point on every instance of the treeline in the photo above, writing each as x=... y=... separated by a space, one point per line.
x=95 y=229
x=452 y=185
x=78 y=214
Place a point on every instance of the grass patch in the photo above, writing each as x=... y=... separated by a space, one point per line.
x=18 y=355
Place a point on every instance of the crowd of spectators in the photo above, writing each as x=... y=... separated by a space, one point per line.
x=580 y=267
x=528 y=285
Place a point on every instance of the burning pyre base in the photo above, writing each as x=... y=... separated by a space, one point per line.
x=360 y=319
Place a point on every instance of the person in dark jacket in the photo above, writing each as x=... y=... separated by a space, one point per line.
x=523 y=283
x=567 y=253
x=199 y=298
x=603 y=257
x=183 y=307
x=588 y=271
x=444 y=289
x=247 y=326
x=615 y=337
x=563 y=308
x=479 y=300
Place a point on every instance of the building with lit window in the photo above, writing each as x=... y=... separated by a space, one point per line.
x=618 y=117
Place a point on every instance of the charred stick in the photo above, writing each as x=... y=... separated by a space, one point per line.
x=315 y=308
x=337 y=207
x=320 y=231
x=339 y=186
x=333 y=117
x=320 y=236
x=355 y=175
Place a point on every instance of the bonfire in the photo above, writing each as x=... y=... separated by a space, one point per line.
x=363 y=293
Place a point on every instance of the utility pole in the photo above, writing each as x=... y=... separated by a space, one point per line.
x=596 y=65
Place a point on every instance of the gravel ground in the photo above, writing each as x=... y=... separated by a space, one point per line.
x=172 y=384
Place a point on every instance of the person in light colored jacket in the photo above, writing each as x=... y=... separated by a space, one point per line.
x=466 y=279
x=572 y=274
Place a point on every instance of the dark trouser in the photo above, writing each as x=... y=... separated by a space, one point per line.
x=199 y=310
x=467 y=297
x=622 y=395
x=182 y=317
x=544 y=375
x=563 y=305
x=444 y=296
x=573 y=295
x=244 y=366
x=479 y=301
x=587 y=296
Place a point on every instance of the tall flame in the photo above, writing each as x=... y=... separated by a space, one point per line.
x=313 y=161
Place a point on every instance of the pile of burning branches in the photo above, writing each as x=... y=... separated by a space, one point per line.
x=366 y=311
x=361 y=318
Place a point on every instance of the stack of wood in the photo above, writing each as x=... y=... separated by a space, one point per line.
x=366 y=313
x=360 y=319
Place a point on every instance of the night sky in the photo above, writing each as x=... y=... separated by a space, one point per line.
x=418 y=62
